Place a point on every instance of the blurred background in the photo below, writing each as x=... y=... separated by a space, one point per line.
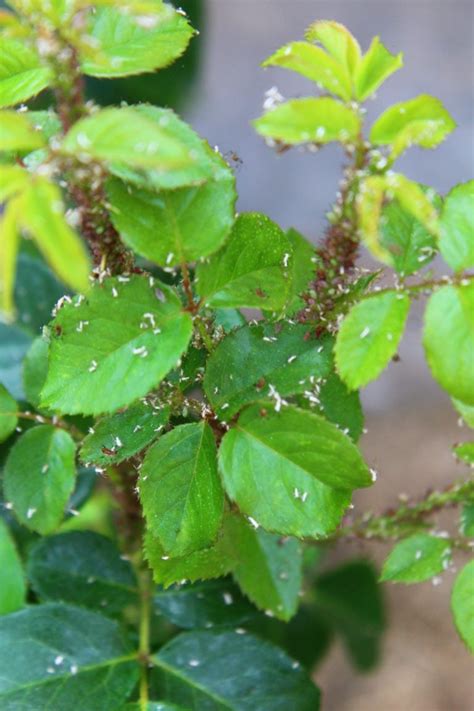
x=218 y=87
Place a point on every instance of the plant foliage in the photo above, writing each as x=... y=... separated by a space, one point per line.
x=167 y=462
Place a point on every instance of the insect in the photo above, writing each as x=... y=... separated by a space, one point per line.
x=107 y=451
x=233 y=160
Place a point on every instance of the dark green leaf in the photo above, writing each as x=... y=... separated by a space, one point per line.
x=14 y=343
x=110 y=350
x=369 y=337
x=224 y=670
x=36 y=292
x=35 y=370
x=462 y=604
x=416 y=558
x=291 y=471
x=350 y=600
x=309 y=120
x=8 y=410
x=303 y=269
x=258 y=360
x=12 y=584
x=131 y=43
x=213 y=603
x=457 y=227
x=39 y=477
x=268 y=568
x=341 y=406
x=124 y=434
x=180 y=489
x=21 y=73
x=62 y=657
x=252 y=269
x=82 y=568
x=449 y=340
x=204 y=564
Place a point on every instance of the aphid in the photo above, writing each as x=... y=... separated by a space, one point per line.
x=108 y=452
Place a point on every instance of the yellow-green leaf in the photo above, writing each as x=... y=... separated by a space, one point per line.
x=337 y=40
x=376 y=65
x=43 y=217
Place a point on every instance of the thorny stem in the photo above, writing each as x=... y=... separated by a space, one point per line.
x=336 y=256
x=396 y=523
x=431 y=284
x=86 y=179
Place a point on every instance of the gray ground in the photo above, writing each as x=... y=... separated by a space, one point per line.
x=411 y=424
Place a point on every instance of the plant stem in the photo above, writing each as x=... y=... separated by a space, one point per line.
x=206 y=339
x=144 y=579
x=408 y=518
x=42 y=420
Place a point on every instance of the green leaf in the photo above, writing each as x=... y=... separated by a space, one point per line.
x=409 y=243
x=131 y=43
x=21 y=73
x=369 y=337
x=17 y=133
x=229 y=319
x=350 y=600
x=252 y=268
x=12 y=588
x=14 y=343
x=465 y=452
x=35 y=370
x=415 y=200
x=338 y=42
x=110 y=350
x=62 y=657
x=206 y=164
x=416 y=558
x=290 y=471
x=375 y=67
x=462 y=604
x=205 y=564
x=467 y=520
x=213 y=603
x=36 y=292
x=268 y=569
x=466 y=411
x=125 y=136
x=341 y=406
x=39 y=477
x=180 y=489
x=309 y=120
x=457 y=227
x=193 y=670
x=9 y=243
x=8 y=410
x=44 y=219
x=82 y=568
x=422 y=121
x=124 y=434
x=449 y=340
x=13 y=179
x=256 y=361
x=313 y=62
x=174 y=226
x=303 y=269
